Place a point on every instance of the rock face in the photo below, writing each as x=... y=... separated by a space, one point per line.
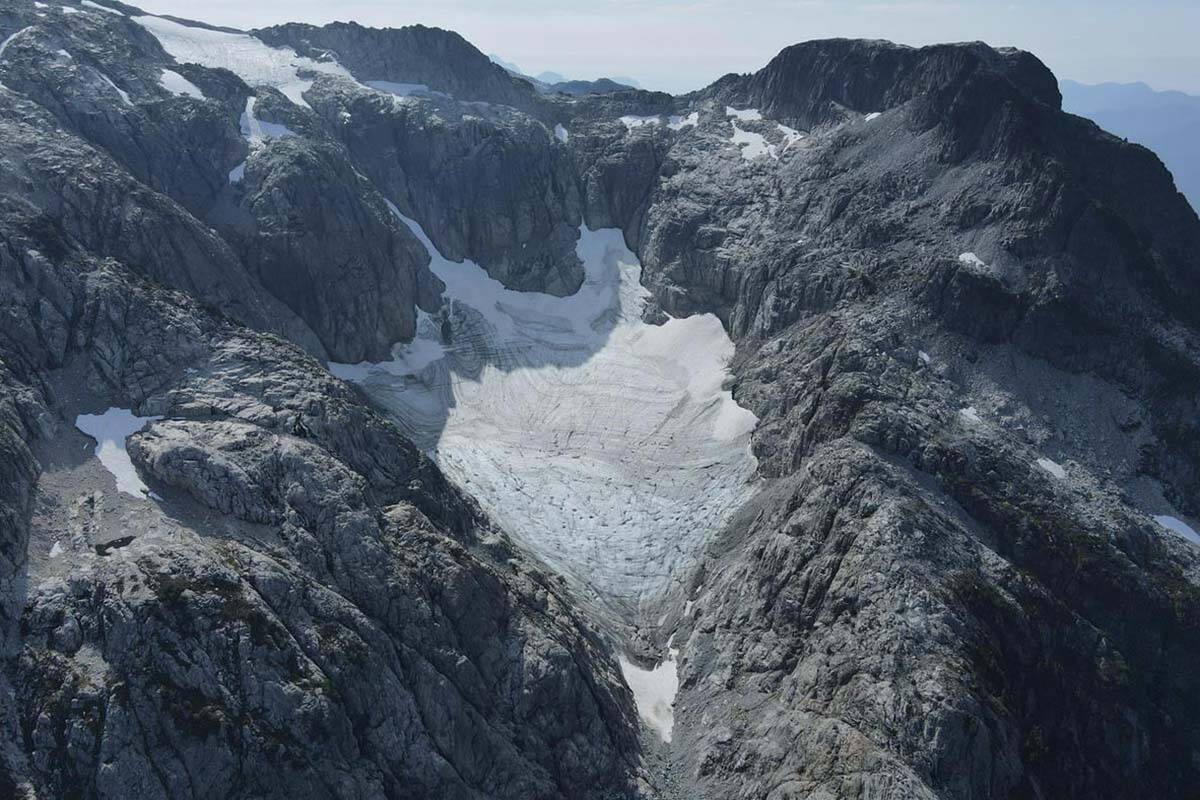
x=966 y=322
x=415 y=54
x=935 y=302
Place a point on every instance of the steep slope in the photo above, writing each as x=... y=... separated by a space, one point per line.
x=940 y=300
x=299 y=604
x=856 y=396
x=439 y=60
x=1166 y=122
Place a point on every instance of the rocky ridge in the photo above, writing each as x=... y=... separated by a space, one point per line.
x=972 y=353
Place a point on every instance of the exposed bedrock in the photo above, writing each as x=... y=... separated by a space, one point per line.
x=937 y=435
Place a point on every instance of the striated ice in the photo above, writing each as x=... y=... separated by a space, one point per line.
x=610 y=446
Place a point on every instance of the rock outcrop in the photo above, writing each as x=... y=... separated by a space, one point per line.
x=966 y=323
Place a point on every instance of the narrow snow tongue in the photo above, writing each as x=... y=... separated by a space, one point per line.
x=654 y=692
x=110 y=430
x=609 y=446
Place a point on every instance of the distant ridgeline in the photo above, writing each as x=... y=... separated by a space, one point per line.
x=1166 y=122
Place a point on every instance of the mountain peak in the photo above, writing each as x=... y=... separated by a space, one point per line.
x=810 y=81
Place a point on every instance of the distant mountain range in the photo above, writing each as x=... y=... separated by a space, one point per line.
x=548 y=82
x=1166 y=122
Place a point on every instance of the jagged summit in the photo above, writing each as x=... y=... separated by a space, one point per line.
x=809 y=82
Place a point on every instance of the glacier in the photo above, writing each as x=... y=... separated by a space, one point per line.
x=608 y=445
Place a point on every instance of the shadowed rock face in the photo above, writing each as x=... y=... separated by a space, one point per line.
x=965 y=321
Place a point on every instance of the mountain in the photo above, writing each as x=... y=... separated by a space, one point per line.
x=554 y=83
x=376 y=425
x=1166 y=122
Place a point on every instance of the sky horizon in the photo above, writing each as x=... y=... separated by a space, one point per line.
x=677 y=46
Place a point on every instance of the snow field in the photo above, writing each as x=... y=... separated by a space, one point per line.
x=606 y=444
x=110 y=429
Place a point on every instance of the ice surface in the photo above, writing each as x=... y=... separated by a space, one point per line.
x=654 y=692
x=1176 y=525
x=608 y=445
x=175 y=83
x=872 y=115
x=255 y=130
x=633 y=121
x=678 y=123
x=1053 y=468
x=674 y=122
x=249 y=58
x=407 y=359
x=745 y=114
x=971 y=260
x=99 y=7
x=109 y=430
x=752 y=144
x=970 y=414
x=404 y=89
x=561 y=133
x=790 y=136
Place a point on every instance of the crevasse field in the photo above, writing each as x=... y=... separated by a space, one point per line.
x=607 y=444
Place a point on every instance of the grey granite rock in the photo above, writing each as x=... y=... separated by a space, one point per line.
x=966 y=321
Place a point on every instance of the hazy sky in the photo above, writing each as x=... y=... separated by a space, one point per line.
x=677 y=45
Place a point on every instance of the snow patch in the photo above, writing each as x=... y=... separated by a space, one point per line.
x=110 y=430
x=123 y=94
x=13 y=37
x=250 y=59
x=970 y=415
x=408 y=358
x=255 y=130
x=790 y=135
x=237 y=173
x=561 y=133
x=632 y=121
x=404 y=89
x=99 y=7
x=1053 y=468
x=872 y=115
x=925 y=357
x=745 y=114
x=1178 y=526
x=654 y=692
x=972 y=260
x=56 y=550
x=678 y=123
x=175 y=83
x=752 y=144
x=71 y=10
x=610 y=446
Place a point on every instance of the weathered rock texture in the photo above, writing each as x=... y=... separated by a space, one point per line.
x=967 y=322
